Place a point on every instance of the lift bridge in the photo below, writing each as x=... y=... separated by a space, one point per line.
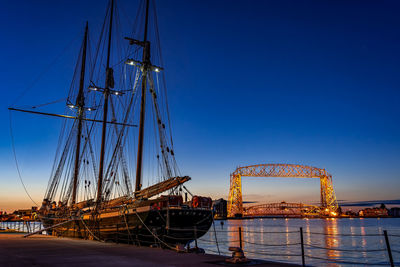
x=328 y=205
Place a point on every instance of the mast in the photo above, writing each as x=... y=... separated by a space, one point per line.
x=80 y=102
x=146 y=66
x=108 y=84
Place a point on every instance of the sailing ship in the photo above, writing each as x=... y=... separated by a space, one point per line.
x=89 y=194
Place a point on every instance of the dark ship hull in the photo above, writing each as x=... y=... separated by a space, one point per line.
x=145 y=225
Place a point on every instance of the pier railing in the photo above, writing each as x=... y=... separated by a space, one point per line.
x=20 y=226
x=306 y=248
x=303 y=247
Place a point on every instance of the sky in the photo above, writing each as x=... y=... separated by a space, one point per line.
x=249 y=82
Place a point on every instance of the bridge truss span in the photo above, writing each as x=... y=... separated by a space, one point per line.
x=328 y=199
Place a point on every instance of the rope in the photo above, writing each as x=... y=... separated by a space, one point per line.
x=126 y=223
x=16 y=161
x=47 y=68
x=98 y=239
x=345 y=262
x=215 y=233
x=235 y=231
x=342 y=249
x=263 y=232
x=276 y=254
x=188 y=229
x=155 y=236
x=223 y=241
x=315 y=233
x=272 y=245
x=49 y=103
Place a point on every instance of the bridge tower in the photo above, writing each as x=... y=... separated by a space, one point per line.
x=328 y=205
x=235 y=201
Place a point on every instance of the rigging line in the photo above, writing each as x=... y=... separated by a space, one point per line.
x=161 y=241
x=49 y=103
x=16 y=161
x=163 y=74
x=52 y=63
x=98 y=45
x=97 y=238
x=215 y=232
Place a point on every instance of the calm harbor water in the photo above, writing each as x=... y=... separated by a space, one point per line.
x=328 y=242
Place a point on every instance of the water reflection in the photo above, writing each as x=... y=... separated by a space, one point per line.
x=331 y=239
x=233 y=233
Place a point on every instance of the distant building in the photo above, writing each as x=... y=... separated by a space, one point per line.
x=23 y=214
x=395 y=212
x=220 y=208
x=374 y=212
x=350 y=213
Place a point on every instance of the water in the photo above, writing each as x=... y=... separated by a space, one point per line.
x=279 y=240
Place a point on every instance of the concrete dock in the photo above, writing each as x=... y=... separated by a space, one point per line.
x=41 y=250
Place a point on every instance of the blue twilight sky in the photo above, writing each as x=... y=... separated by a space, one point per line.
x=307 y=82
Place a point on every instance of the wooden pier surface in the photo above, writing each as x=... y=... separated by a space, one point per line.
x=41 y=250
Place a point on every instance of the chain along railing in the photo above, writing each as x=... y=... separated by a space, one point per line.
x=305 y=249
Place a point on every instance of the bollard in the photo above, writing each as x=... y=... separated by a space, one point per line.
x=302 y=247
x=388 y=248
x=240 y=238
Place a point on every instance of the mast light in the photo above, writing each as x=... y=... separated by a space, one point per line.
x=132 y=62
x=116 y=92
x=156 y=68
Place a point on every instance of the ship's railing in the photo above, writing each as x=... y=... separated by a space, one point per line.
x=306 y=248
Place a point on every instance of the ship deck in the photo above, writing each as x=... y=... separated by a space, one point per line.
x=42 y=250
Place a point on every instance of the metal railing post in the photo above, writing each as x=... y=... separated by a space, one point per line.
x=240 y=238
x=302 y=247
x=195 y=236
x=388 y=248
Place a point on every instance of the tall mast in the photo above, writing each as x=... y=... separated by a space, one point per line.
x=109 y=82
x=146 y=66
x=80 y=103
